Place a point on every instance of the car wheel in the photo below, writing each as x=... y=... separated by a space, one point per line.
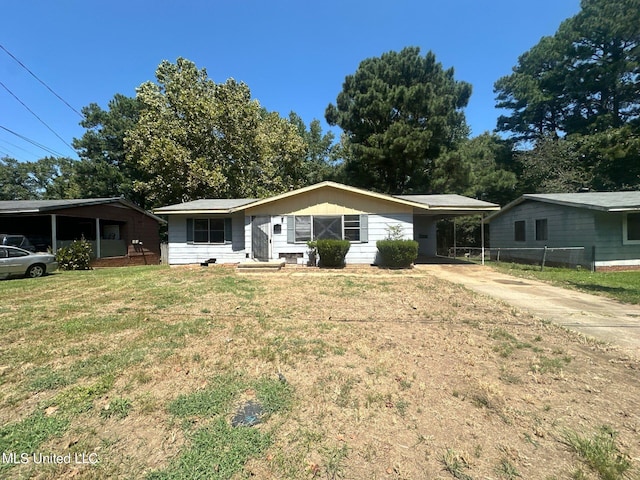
x=35 y=271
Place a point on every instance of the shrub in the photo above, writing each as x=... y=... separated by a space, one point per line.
x=397 y=253
x=76 y=256
x=332 y=252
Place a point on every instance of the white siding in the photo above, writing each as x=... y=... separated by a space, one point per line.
x=425 y=233
x=359 y=253
x=183 y=253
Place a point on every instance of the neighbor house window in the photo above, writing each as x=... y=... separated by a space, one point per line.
x=541 y=229
x=520 y=231
x=631 y=228
x=208 y=230
x=303 y=228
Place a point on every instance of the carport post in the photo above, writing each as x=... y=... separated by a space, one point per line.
x=482 y=236
x=455 y=247
x=54 y=234
x=97 y=238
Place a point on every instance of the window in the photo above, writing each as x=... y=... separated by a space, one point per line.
x=208 y=230
x=327 y=228
x=303 y=228
x=352 y=228
x=16 y=253
x=631 y=228
x=541 y=229
x=520 y=234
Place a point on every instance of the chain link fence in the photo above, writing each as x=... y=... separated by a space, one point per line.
x=543 y=256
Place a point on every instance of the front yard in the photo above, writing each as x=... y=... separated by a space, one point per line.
x=367 y=374
x=623 y=286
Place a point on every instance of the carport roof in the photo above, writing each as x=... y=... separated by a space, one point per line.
x=15 y=207
x=451 y=201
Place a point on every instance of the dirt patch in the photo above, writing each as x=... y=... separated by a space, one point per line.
x=393 y=374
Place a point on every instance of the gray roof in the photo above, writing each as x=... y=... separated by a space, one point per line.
x=452 y=204
x=29 y=206
x=603 y=201
x=607 y=201
x=9 y=207
x=448 y=201
x=216 y=204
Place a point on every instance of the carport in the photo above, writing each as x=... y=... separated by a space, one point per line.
x=116 y=228
x=440 y=207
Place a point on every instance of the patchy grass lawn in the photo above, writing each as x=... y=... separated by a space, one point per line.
x=361 y=374
x=623 y=286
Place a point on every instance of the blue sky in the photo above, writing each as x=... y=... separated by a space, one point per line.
x=294 y=56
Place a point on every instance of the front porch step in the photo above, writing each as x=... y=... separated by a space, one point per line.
x=272 y=266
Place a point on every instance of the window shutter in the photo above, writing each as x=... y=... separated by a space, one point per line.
x=189 y=230
x=364 y=228
x=291 y=234
x=228 y=231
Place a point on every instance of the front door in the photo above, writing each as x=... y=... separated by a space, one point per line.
x=260 y=238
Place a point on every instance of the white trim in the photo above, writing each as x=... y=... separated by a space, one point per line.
x=625 y=232
x=616 y=263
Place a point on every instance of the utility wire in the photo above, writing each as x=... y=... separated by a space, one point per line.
x=16 y=146
x=34 y=114
x=33 y=142
x=36 y=77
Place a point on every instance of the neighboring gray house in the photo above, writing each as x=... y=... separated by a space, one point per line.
x=279 y=227
x=606 y=224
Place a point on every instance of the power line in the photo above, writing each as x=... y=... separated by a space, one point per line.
x=42 y=82
x=10 y=152
x=33 y=142
x=34 y=114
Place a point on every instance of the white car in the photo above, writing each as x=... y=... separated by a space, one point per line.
x=16 y=261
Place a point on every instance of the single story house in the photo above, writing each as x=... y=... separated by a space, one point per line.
x=602 y=228
x=120 y=232
x=279 y=227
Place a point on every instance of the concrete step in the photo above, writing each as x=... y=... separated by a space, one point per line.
x=272 y=266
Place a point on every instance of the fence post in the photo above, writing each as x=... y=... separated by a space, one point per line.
x=544 y=258
x=498 y=256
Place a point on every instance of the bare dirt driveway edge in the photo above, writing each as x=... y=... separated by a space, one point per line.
x=598 y=317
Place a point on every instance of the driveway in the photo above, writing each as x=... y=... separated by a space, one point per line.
x=597 y=317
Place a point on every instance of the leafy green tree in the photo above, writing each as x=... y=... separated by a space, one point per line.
x=197 y=139
x=320 y=156
x=47 y=178
x=584 y=79
x=103 y=169
x=533 y=93
x=400 y=112
x=602 y=161
x=612 y=156
x=553 y=166
x=14 y=180
x=491 y=169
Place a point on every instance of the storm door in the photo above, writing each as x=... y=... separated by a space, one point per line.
x=260 y=237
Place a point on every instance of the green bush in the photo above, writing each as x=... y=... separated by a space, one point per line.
x=332 y=252
x=76 y=256
x=397 y=253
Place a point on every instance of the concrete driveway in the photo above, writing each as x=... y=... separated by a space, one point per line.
x=597 y=317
